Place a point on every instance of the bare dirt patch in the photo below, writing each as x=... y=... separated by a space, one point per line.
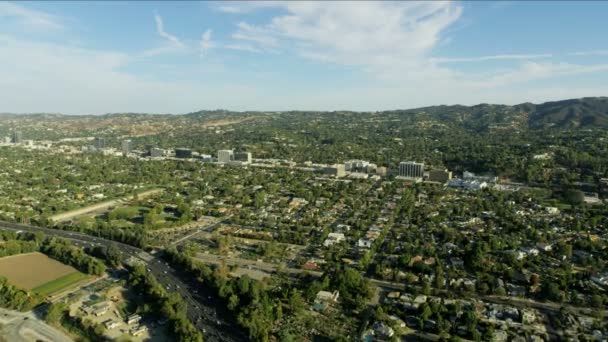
x=28 y=271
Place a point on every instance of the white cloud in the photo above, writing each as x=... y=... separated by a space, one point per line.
x=391 y=41
x=157 y=51
x=206 y=44
x=29 y=18
x=490 y=58
x=242 y=47
x=46 y=77
x=230 y=9
x=529 y=71
x=263 y=38
x=386 y=39
x=160 y=28
x=590 y=53
x=241 y=7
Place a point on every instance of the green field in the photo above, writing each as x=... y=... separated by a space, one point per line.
x=59 y=283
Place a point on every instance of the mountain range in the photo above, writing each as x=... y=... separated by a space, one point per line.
x=587 y=112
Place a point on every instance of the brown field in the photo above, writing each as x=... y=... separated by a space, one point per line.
x=31 y=270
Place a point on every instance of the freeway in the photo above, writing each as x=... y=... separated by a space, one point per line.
x=201 y=307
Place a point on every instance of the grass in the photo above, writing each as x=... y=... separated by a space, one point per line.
x=162 y=220
x=60 y=283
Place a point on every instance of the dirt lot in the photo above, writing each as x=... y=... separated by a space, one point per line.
x=31 y=270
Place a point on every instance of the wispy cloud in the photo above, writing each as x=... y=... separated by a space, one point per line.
x=242 y=47
x=206 y=44
x=590 y=53
x=391 y=42
x=490 y=58
x=241 y=7
x=263 y=38
x=160 y=28
x=351 y=34
x=231 y=9
x=77 y=80
x=529 y=71
x=29 y=18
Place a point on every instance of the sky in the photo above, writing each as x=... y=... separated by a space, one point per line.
x=178 y=57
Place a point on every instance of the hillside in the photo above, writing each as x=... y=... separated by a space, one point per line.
x=574 y=113
x=589 y=112
x=585 y=112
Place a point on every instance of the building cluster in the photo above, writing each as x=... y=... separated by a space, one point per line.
x=16 y=138
x=352 y=169
x=105 y=312
x=365 y=167
x=471 y=181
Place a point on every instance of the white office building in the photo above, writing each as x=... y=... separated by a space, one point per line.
x=225 y=156
x=127 y=147
x=411 y=169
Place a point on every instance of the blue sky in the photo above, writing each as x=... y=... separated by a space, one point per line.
x=177 y=57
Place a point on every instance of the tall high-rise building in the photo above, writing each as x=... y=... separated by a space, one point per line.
x=411 y=169
x=127 y=147
x=225 y=156
x=100 y=143
x=17 y=137
x=243 y=157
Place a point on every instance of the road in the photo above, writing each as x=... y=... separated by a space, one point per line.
x=26 y=326
x=208 y=228
x=66 y=216
x=392 y=286
x=201 y=307
x=259 y=265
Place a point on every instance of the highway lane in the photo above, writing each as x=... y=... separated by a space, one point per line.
x=199 y=311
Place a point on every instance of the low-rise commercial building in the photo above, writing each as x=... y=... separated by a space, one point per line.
x=441 y=176
x=183 y=153
x=336 y=170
